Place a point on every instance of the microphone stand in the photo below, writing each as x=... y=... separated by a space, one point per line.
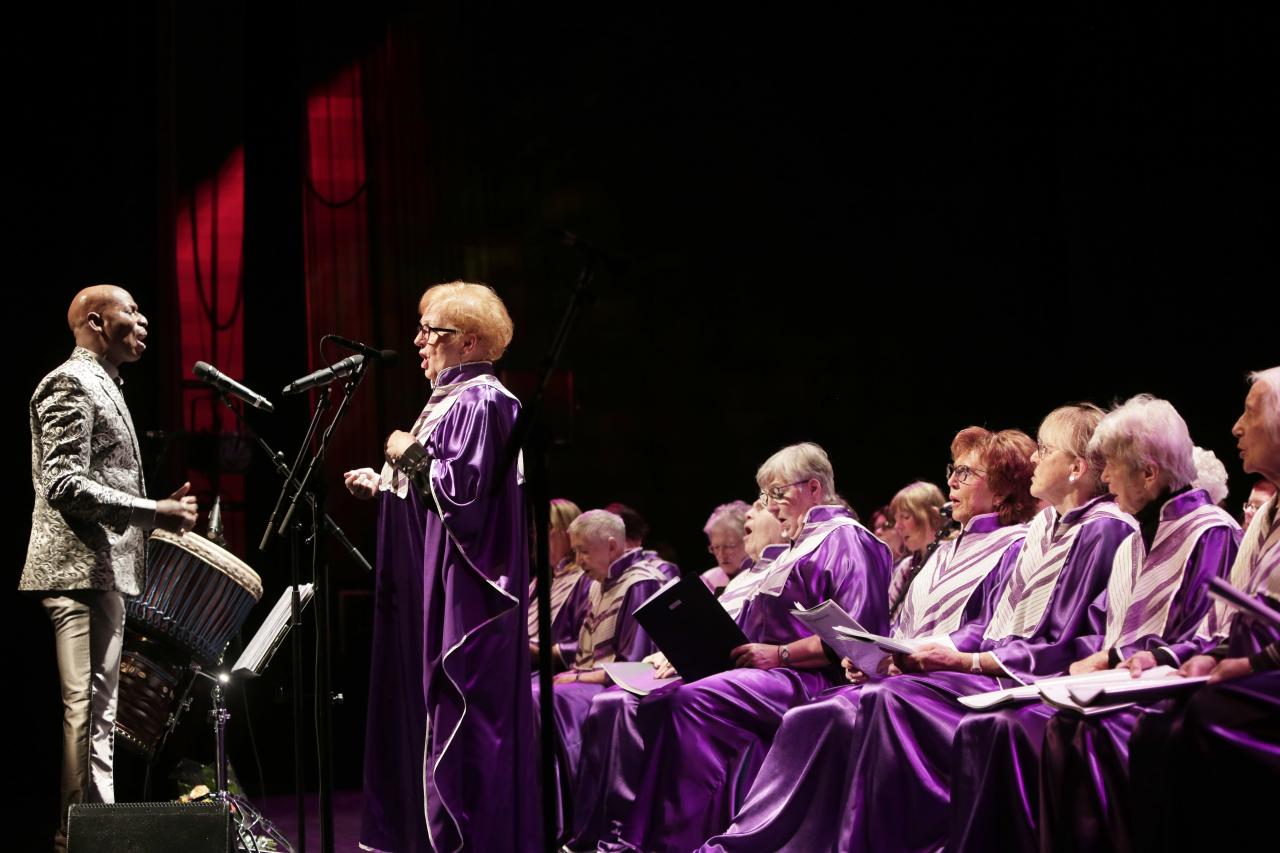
x=315 y=496
x=295 y=619
x=530 y=435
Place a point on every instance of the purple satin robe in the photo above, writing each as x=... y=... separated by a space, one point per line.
x=1226 y=737
x=567 y=621
x=473 y=663
x=868 y=768
x=1004 y=749
x=608 y=734
x=703 y=742
x=571 y=702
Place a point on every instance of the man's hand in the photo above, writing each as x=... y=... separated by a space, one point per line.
x=1198 y=666
x=1095 y=662
x=756 y=656
x=1229 y=669
x=362 y=483
x=177 y=513
x=1139 y=663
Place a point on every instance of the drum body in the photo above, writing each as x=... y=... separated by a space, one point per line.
x=196 y=597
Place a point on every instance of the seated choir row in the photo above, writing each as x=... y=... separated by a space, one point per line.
x=1089 y=548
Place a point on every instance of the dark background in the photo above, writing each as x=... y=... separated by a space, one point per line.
x=859 y=228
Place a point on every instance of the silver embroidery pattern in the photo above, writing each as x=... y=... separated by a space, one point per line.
x=86 y=472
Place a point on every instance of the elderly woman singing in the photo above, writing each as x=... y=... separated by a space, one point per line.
x=448 y=686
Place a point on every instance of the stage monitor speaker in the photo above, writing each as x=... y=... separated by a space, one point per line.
x=150 y=828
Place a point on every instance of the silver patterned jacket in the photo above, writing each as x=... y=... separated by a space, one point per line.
x=86 y=469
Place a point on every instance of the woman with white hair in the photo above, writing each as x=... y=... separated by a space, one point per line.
x=725 y=543
x=448 y=684
x=703 y=741
x=1211 y=475
x=1156 y=596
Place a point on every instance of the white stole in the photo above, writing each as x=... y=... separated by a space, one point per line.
x=1142 y=586
x=1030 y=588
x=1255 y=571
x=936 y=598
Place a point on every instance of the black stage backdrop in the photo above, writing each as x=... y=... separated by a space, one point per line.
x=863 y=229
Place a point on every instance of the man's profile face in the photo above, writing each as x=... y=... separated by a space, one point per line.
x=123 y=326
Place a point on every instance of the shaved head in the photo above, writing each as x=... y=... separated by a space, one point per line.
x=92 y=300
x=105 y=320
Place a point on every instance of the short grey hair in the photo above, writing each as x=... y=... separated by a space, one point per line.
x=799 y=463
x=1271 y=379
x=1211 y=474
x=1147 y=430
x=596 y=525
x=732 y=516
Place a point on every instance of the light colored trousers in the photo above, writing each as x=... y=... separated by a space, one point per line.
x=88 y=628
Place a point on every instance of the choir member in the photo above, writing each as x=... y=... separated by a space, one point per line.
x=637 y=530
x=882 y=525
x=825 y=783
x=917 y=516
x=725 y=543
x=570 y=585
x=622 y=579
x=1156 y=596
x=609 y=730
x=447 y=684
x=704 y=741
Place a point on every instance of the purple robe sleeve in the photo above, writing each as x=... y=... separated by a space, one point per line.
x=631 y=642
x=856 y=568
x=1073 y=611
x=982 y=603
x=1212 y=557
x=467 y=448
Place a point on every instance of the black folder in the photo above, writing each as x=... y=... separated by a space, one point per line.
x=691 y=628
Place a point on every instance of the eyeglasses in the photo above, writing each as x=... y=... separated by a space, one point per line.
x=778 y=493
x=433 y=333
x=884 y=525
x=1253 y=507
x=962 y=473
x=1044 y=450
x=716 y=549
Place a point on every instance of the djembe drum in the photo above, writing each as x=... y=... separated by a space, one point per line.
x=197 y=596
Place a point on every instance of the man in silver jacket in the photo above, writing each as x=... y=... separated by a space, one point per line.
x=88 y=543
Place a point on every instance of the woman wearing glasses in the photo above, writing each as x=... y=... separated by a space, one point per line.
x=726 y=543
x=448 y=686
x=703 y=741
x=811 y=782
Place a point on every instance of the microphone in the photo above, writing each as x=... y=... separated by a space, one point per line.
x=211 y=375
x=363 y=349
x=346 y=367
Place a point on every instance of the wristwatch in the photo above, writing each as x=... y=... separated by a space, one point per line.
x=784 y=655
x=975 y=664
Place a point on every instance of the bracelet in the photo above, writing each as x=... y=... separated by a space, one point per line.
x=577 y=676
x=975 y=664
